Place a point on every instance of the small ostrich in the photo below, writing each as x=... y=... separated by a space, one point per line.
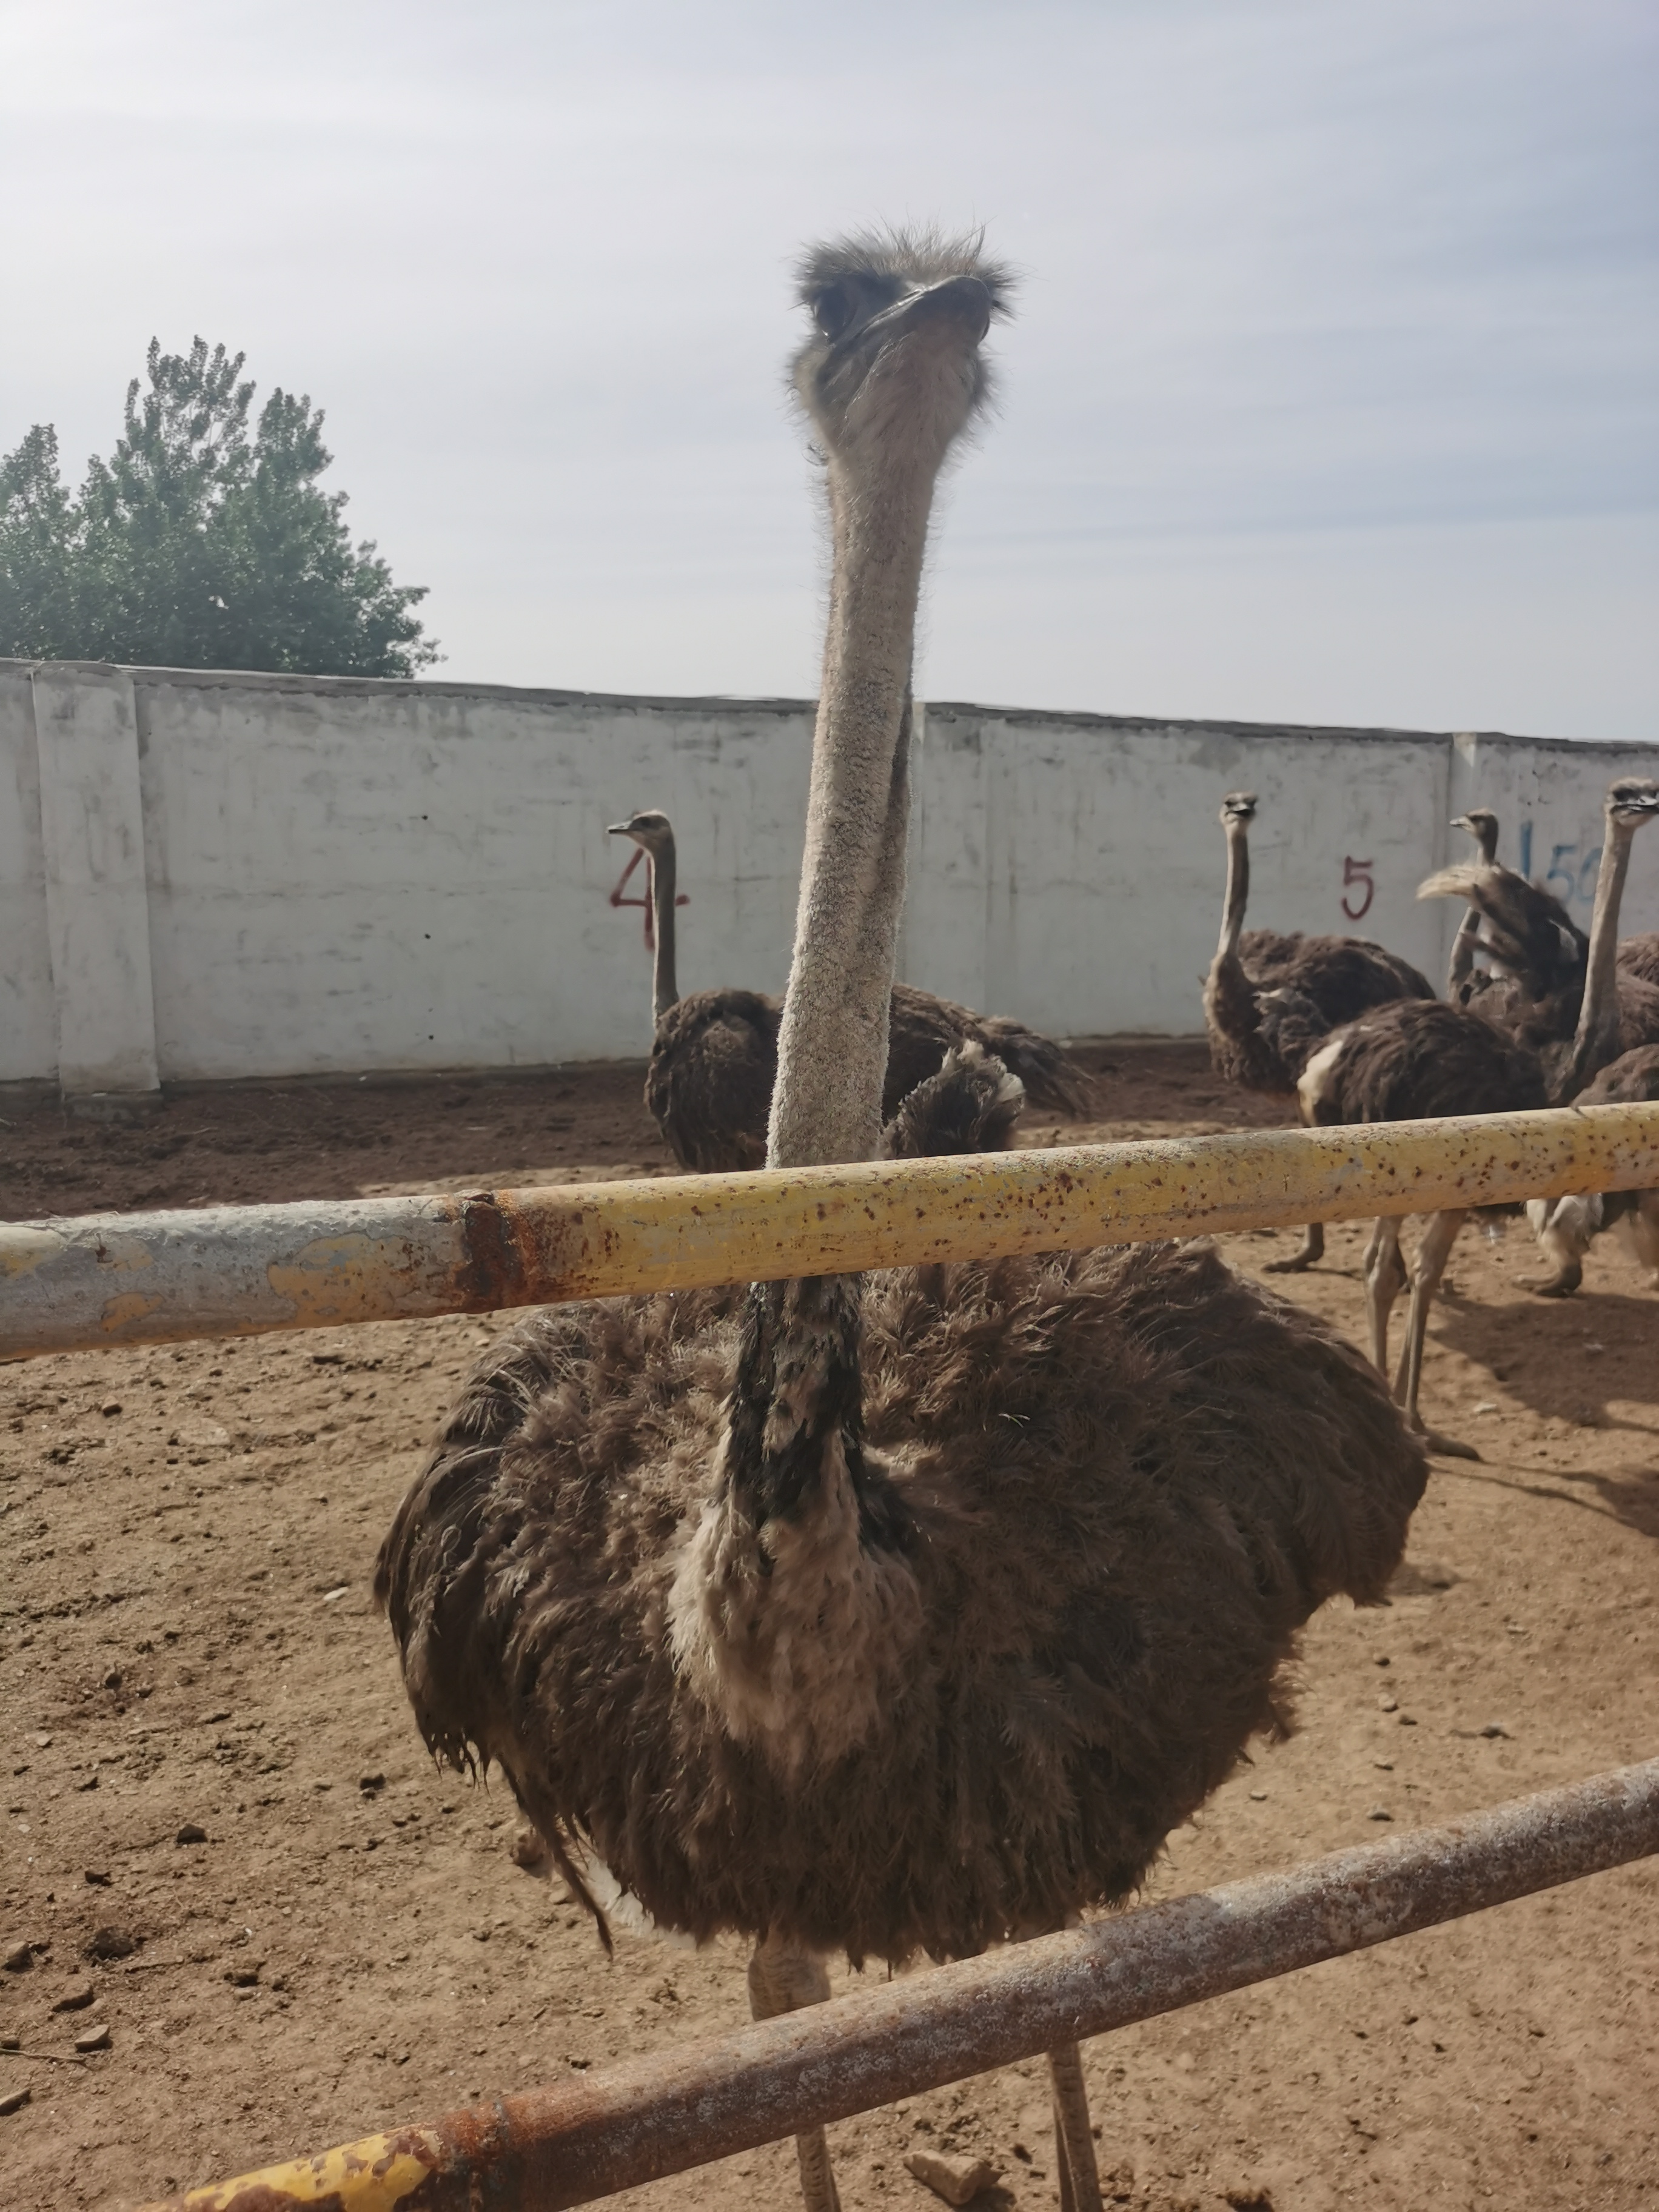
x=1414 y=1060
x=715 y=1054
x=906 y=1613
x=1270 y=998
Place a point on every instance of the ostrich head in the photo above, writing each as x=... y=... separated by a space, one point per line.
x=648 y=828
x=1479 y=823
x=1238 y=806
x=1632 y=800
x=893 y=363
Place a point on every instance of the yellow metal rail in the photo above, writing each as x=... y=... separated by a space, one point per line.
x=103 y=1280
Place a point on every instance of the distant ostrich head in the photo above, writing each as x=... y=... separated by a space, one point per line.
x=648 y=828
x=1238 y=806
x=861 y=388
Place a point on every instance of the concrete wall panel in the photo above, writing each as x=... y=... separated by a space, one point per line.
x=28 y=1018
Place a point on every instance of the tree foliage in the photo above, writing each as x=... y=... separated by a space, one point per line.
x=200 y=543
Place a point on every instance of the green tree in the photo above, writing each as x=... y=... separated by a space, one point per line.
x=198 y=543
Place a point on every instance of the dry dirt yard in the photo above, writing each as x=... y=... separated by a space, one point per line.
x=188 y=1650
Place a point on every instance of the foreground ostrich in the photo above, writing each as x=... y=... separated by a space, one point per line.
x=715 y=1054
x=1408 y=1061
x=1270 y=998
x=907 y=1612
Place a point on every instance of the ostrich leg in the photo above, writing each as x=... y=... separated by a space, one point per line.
x=1312 y=1251
x=781 y=1980
x=1385 y=1278
x=1074 y=2138
x=1433 y=1254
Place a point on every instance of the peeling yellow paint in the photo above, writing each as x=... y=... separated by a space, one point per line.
x=370 y=2176
x=131 y=1306
x=25 y=1246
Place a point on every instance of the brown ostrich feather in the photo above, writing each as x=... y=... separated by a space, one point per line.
x=714 y=1059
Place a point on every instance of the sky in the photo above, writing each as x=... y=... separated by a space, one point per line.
x=1332 y=393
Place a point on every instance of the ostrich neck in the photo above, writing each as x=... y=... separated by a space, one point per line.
x=832 y=1045
x=664 y=989
x=1238 y=891
x=795 y=1611
x=1597 y=1037
x=1462 y=950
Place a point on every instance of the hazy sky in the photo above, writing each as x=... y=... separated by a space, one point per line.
x=1333 y=391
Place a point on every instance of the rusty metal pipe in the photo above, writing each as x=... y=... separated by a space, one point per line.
x=104 y=1279
x=681 y=2107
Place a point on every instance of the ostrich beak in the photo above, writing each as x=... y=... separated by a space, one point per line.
x=617 y=829
x=965 y=299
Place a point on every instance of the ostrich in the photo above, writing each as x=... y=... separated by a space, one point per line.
x=1639 y=955
x=1482 y=824
x=906 y=1613
x=1565 y=1227
x=1540 y=957
x=714 y=1056
x=1412 y=1060
x=1269 y=999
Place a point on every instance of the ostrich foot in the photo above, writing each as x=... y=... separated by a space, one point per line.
x=1308 y=1254
x=1446 y=1447
x=1561 y=1286
x=780 y=1980
x=1074 y=2139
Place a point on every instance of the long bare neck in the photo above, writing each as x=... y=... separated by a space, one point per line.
x=1238 y=893
x=664 y=988
x=1467 y=939
x=1462 y=950
x=832 y=1046
x=1596 y=1039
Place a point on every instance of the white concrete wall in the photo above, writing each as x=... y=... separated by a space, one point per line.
x=342 y=876
x=29 y=1015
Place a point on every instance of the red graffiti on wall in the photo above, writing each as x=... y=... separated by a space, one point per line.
x=618 y=897
x=1357 y=871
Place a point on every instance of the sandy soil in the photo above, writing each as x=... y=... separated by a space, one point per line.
x=187 y=1644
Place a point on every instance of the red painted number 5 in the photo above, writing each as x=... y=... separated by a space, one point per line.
x=1357 y=871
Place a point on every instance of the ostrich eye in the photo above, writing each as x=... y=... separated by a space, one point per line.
x=832 y=310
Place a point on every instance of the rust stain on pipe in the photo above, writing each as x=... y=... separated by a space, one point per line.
x=78 y=1285
x=551 y=2148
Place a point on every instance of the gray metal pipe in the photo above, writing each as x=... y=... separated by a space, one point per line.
x=106 y=1279
x=681 y=2107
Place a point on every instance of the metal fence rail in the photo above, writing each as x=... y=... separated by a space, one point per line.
x=108 y=1280
x=706 y=2100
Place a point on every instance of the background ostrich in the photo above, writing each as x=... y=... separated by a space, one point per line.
x=903 y=1613
x=1270 y=998
x=714 y=1056
x=1482 y=824
x=1414 y=1060
x=1565 y=1227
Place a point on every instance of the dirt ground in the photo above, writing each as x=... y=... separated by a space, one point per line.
x=188 y=1650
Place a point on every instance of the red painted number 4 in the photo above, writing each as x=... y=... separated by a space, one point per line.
x=1357 y=871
